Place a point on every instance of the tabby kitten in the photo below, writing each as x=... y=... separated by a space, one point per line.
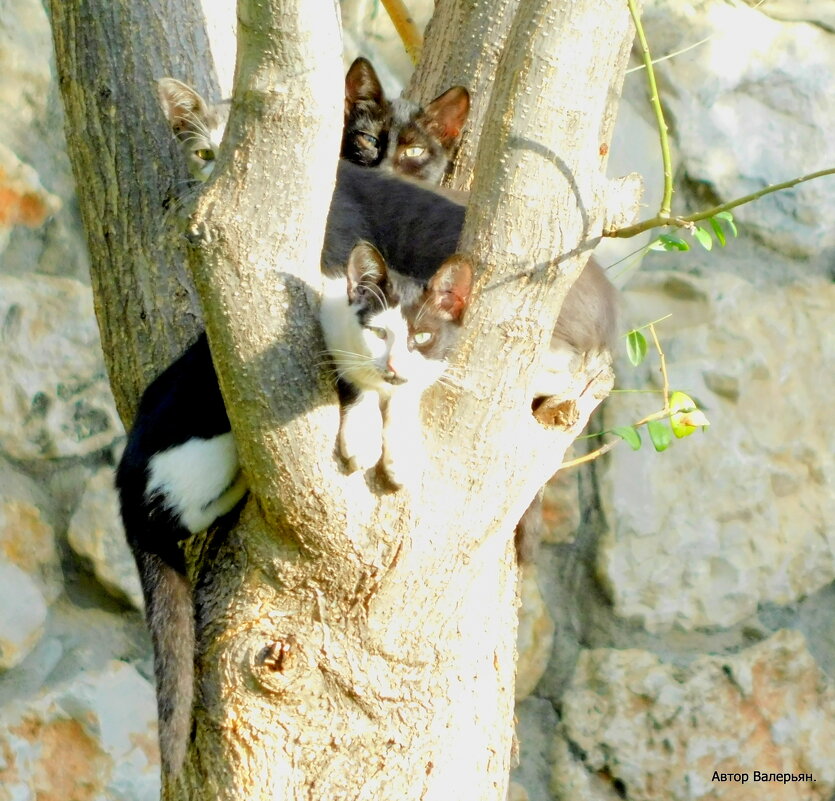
x=197 y=125
x=397 y=134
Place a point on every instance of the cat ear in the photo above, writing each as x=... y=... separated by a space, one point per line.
x=446 y=114
x=449 y=289
x=182 y=105
x=366 y=268
x=362 y=83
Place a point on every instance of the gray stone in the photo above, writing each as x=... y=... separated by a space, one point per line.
x=750 y=111
x=27 y=536
x=95 y=533
x=535 y=636
x=55 y=399
x=24 y=613
x=97 y=733
x=740 y=515
x=635 y=727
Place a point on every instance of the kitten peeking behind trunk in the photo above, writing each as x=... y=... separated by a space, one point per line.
x=388 y=337
x=197 y=126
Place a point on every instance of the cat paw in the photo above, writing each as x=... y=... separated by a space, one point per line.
x=402 y=470
x=359 y=455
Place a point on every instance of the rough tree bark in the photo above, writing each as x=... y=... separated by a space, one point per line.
x=353 y=642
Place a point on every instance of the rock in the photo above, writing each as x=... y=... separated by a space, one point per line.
x=32 y=133
x=96 y=533
x=817 y=12
x=749 y=111
x=536 y=721
x=92 y=738
x=30 y=567
x=637 y=728
x=560 y=508
x=738 y=516
x=535 y=637
x=23 y=201
x=55 y=399
x=27 y=537
x=515 y=792
x=24 y=613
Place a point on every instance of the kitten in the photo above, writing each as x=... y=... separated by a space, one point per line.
x=388 y=336
x=197 y=125
x=399 y=135
x=396 y=135
x=180 y=471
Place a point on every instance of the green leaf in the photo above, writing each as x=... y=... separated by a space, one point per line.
x=703 y=237
x=685 y=416
x=717 y=231
x=729 y=219
x=630 y=435
x=660 y=434
x=669 y=242
x=636 y=347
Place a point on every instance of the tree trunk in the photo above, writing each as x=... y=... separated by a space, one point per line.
x=352 y=642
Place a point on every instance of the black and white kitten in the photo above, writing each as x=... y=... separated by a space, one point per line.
x=393 y=299
x=399 y=135
x=388 y=337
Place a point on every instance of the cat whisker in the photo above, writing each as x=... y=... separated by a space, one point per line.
x=421 y=310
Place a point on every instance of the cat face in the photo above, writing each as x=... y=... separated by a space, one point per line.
x=197 y=126
x=399 y=135
x=384 y=330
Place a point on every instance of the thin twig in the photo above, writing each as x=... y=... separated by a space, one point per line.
x=684 y=50
x=405 y=26
x=685 y=222
x=590 y=456
x=671 y=55
x=663 y=368
x=667 y=199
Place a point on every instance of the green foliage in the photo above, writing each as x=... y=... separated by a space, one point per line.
x=628 y=434
x=636 y=347
x=668 y=242
x=660 y=434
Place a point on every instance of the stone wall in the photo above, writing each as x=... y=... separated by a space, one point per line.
x=678 y=627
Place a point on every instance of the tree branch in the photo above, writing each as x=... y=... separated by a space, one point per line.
x=257 y=234
x=685 y=222
x=405 y=27
x=655 y=102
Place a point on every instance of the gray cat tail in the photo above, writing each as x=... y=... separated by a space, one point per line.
x=170 y=614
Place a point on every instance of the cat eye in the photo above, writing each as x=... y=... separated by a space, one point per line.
x=414 y=151
x=367 y=140
x=380 y=333
x=422 y=337
x=205 y=154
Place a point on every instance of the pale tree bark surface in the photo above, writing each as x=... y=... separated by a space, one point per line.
x=354 y=642
x=464 y=41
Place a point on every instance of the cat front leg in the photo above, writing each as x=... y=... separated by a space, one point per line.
x=404 y=452
x=360 y=440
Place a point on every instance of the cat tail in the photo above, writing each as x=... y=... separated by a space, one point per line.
x=169 y=610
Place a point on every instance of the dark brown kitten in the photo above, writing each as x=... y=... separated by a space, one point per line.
x=399 y=135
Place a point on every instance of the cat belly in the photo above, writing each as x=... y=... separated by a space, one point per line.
x=199 y=480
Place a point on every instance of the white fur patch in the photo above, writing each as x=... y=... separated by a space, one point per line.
x=200 y=480
x=361 y=356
